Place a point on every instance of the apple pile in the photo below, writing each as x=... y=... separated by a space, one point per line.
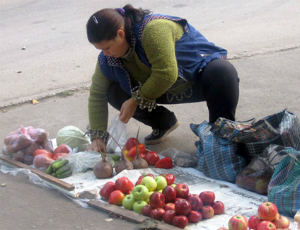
x=267 y=218
x=159 y=198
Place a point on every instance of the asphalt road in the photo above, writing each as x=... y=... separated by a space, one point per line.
x=44 y=52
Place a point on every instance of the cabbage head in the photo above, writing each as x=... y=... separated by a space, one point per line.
x=73 y=137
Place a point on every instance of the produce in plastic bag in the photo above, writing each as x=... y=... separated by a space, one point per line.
x=73 y=137
x=21 y=143
x=42 y=162
x=255 y=177
x=180 y=158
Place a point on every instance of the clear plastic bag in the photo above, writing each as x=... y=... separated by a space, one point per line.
x=180 y=158
x=117 y=130
x=83 y=161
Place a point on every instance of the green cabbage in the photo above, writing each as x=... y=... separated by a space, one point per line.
x=73 y=137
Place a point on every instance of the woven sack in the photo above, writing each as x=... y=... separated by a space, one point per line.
x=216 y=156
x=284 y=186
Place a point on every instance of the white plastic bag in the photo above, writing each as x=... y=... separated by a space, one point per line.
x=117 y=130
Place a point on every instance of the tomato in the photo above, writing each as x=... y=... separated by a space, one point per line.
x=151 y=158
x=131 y=142
x=132 y=151
x=44 y=152
x=61 y=149
x=169 y=177
x=58 y=155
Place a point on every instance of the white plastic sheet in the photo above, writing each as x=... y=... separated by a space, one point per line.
x=235 y=199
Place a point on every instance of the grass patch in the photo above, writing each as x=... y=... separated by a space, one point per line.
x=65 y=93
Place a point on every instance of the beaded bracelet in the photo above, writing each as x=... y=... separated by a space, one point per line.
x=143 y=104
x=97 y=133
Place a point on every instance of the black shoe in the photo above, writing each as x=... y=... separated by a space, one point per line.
x=159 y=135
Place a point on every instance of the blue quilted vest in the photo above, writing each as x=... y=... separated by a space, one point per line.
x=193 y=52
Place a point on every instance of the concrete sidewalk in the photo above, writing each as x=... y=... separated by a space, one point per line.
x=262 y=38
x=267 y=86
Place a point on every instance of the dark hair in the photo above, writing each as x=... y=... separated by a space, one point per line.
x=104 y=24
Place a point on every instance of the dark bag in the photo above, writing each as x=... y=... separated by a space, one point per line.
x=217 y=156
x=284 y=186
x=281 y=128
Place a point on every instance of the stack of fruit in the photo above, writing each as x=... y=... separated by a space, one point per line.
x=267 y=218
x=159 y=198
x=130 y=149
x=60 y=169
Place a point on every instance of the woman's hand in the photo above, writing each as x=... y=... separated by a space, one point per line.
x=97 y=145
x=127 y=110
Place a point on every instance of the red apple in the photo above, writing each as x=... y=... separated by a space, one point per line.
x=194 y=216
x=169 y=177
x=180 y=221
x=182 y=190
x=182 y=207
x=195 y=202
x=238 y=222
x=139 y=181
x=168 y=216
x=169 y=206
x=177 y=199
x=107 y=189
x=267 y=211
x=222 y=228
x=266 y=225
x=207 y=211
x=124 y=184
x=146 y=210
x=218 y=207
x=116 y=197
x=157 y=200
x=254 y=221
x=207 y=197
x=192 y=194
x=147 y=174
x=281 y=222
x=169 y=193
x=157 y=213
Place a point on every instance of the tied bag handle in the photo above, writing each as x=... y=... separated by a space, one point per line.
x=235 y=132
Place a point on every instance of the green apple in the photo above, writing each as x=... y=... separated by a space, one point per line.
x=140 y=192
x=161 y=182
x=128 y=202
x=149 y=182
x=174 y=185
x=138 y=206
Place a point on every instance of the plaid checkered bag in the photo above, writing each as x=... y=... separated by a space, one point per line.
x=217 y=156
x=282 y=128
x=284 y=186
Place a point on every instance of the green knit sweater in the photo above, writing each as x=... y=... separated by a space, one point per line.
x=158 y=39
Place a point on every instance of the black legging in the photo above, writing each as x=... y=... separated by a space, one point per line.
x=218 y=85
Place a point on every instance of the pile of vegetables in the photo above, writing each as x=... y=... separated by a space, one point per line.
x=32 y=146
x=60 y=168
